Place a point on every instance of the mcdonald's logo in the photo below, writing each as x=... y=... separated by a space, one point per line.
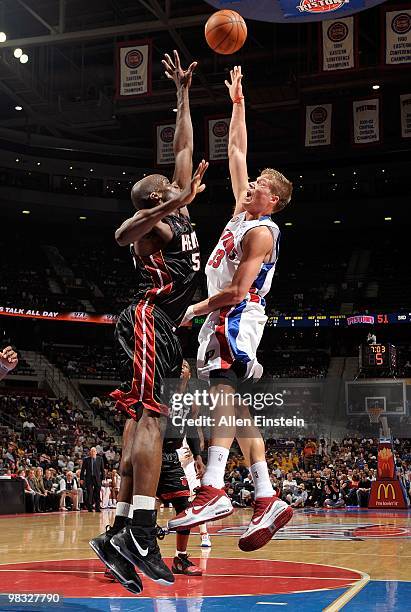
x=386 y=488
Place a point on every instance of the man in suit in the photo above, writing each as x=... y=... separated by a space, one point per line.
x=92 y=472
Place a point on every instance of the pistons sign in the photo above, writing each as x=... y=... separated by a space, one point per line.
x=133 y=62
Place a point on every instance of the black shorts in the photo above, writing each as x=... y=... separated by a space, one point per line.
x=149 y=353
x=173 y=482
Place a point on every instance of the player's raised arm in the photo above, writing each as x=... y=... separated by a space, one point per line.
x=237 y=140
x=145 y=220
x=183 y=137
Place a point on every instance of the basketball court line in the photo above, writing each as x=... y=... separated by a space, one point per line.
x=346 y=597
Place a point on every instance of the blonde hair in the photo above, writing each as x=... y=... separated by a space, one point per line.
x=280 y=186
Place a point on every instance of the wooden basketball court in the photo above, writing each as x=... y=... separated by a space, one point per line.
x=330 y=560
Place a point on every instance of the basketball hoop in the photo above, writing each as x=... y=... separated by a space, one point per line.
x=374 y=412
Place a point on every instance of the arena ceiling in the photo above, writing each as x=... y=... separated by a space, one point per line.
x=66 y=89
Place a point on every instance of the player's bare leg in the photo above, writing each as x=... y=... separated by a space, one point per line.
x=270 y=512
x=138 y=542
x=211 y=502
x=117 y=566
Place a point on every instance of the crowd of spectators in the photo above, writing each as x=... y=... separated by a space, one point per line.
x=314 y=473
x=78 y=361
x=51 y=438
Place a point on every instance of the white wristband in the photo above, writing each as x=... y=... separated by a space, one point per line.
x=189 y=313
x=4 y=368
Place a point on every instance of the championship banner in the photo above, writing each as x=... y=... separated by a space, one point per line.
x=218 y=138
x=405 y=102
x=164 y=144
x=304 y=8
x=398 y=37
x=74 y=317
x=338 y=51
x=318 y=125
x=366 y=118
x=133 y=64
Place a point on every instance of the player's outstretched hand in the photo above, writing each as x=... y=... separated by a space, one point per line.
x=196 y=186
x=235 y=88
x=174 y=71
x=8 y=358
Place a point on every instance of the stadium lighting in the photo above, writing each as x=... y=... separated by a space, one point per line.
x=337 y=221
x=71 y=168
x=289 y=224
x=18 y=53
x=3 y=37
x=25 y=212
x=91 y=170
x=82 y=218
x=123 y=172
x=18 y=108
x=387 y=218
x=375 y=87
x=39 y=163
x=24 y=58
x=17 y=160
x=332 y=173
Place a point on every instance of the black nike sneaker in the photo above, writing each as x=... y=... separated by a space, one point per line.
x=183 y=565
x=138 y=544
x=121 y=569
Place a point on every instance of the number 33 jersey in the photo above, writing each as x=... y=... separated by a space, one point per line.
x=227 y=255
x=229 y=337
x=169 y=278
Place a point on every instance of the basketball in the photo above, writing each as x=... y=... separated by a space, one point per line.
x=225 y=32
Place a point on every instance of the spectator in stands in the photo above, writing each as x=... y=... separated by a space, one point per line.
x=68 y=488
x=50 y=487
x=34 y=485
x=289 y=488
x=363 y=491
x=115 y=480
x=300 y=497
x=316 y=496
x=308 y=453
x=333 y=497
x=32 y=499
x=106 y=484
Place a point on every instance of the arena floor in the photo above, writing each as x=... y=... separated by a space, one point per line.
x=324 y=560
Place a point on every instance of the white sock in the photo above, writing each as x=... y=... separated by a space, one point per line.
x=179 y=552
x=261 y=479
x=203 y=529
x=214 y=474
x=130 y=514
x=143 y=502
x=123 y=509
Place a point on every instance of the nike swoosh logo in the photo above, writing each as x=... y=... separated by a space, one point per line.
x=142 y=552
x=260 y=518
x=200 y=508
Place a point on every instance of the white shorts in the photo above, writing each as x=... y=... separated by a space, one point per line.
x=231 y=335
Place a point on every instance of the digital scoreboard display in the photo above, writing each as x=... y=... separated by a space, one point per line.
x=378 y=357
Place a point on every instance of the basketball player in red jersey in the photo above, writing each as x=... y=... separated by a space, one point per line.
x=165 y=253
x=239 y=275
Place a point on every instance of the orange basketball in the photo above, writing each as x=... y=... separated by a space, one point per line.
x=225 y=32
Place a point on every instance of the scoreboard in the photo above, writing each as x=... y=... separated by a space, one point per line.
x=378 y=357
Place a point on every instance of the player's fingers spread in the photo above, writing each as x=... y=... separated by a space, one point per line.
x=177 y=59
x=169 y=60
x=201 y=188
x=192 y=67
x=226 y=83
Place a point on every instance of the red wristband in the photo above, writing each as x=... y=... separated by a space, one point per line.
x=238 y=100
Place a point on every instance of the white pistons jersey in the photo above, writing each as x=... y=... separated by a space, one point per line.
x=230 y=336
x=226 y=256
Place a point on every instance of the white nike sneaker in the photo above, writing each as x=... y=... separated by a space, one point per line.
x=209 y=504
x=270 y=514
x=205 y=541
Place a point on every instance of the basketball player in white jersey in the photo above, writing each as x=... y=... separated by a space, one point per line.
x=239 y=275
